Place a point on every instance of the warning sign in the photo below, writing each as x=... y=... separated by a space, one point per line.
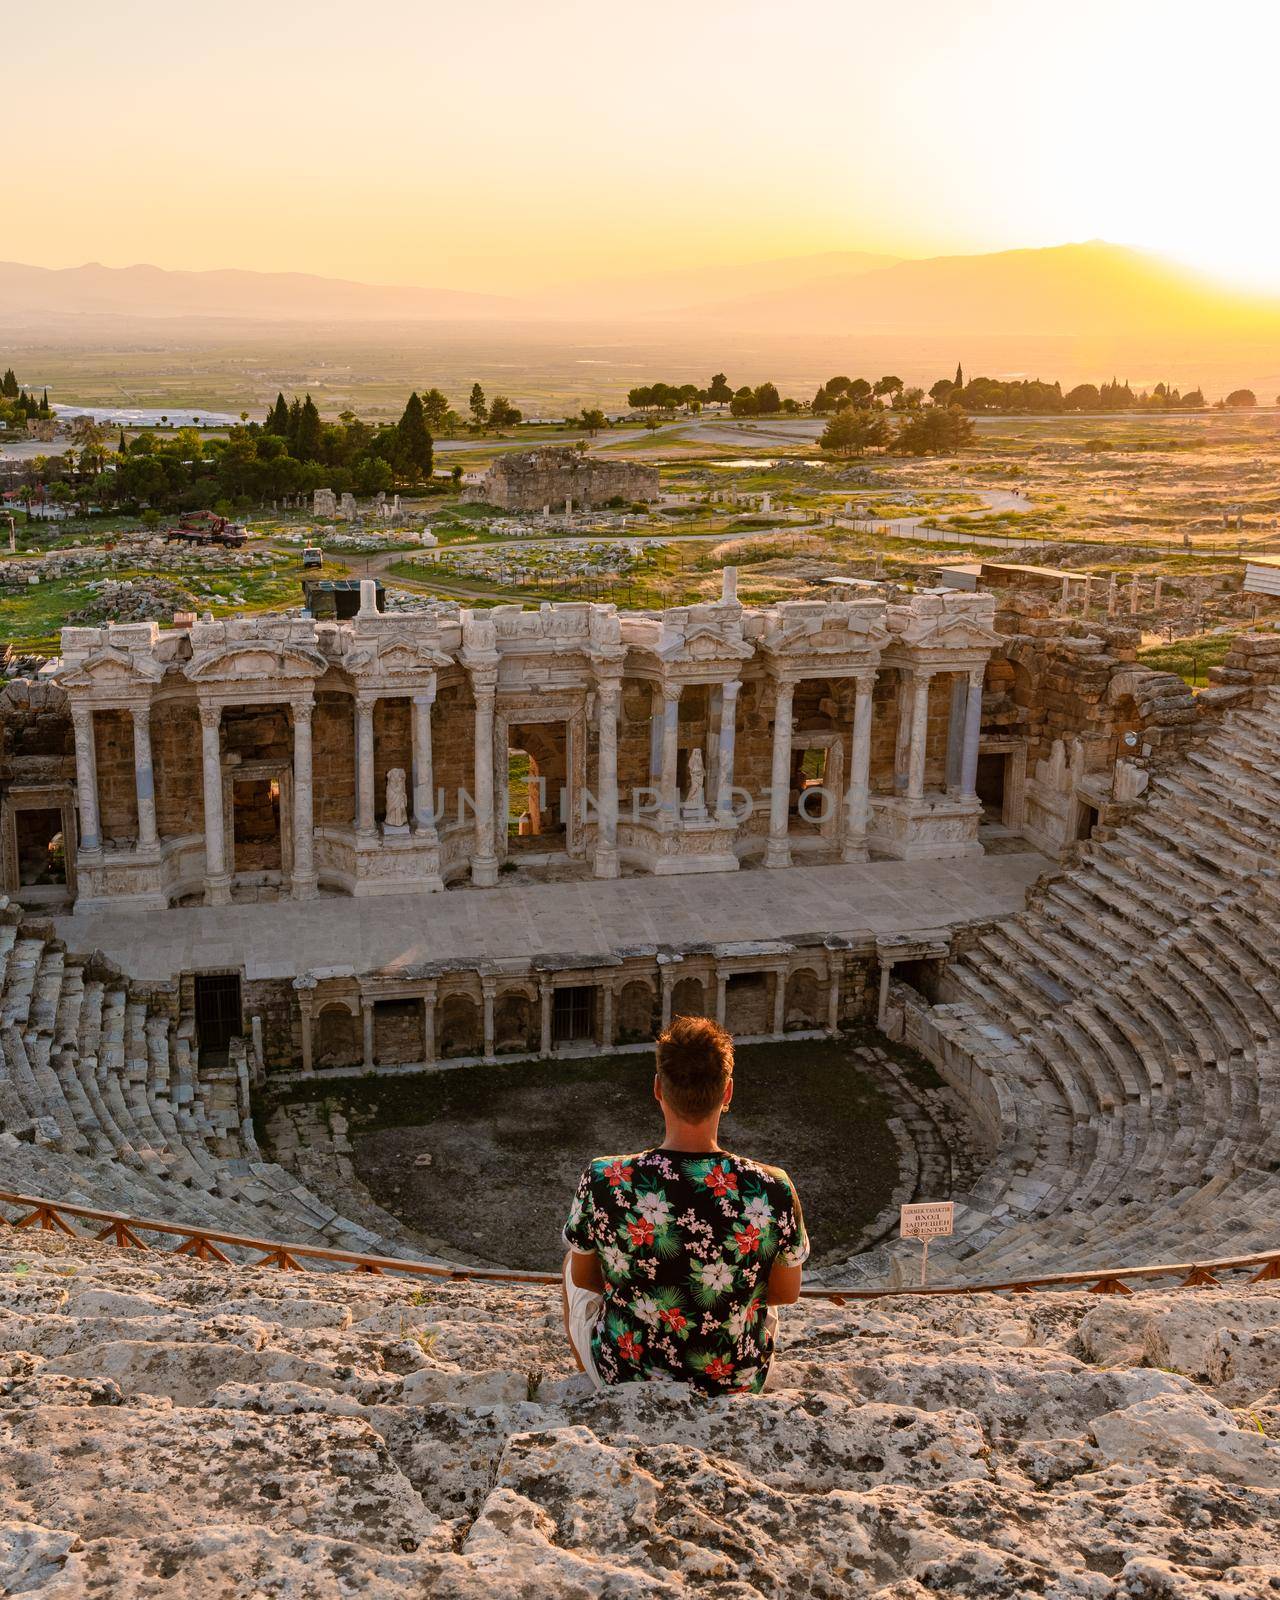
x=934 y=1219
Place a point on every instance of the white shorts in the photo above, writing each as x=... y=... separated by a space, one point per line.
x=584 y=1310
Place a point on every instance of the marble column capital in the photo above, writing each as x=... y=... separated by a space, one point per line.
x=210 y=715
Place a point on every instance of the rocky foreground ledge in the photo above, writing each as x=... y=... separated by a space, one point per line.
x=168 y=1428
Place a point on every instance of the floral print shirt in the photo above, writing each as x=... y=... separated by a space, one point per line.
x=686 y=1243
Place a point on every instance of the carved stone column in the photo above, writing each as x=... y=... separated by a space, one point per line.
x=366 y=1019
x=484 y=863
x=919 y=734
x=364 y=764
x=144 y=780
x=724 y=760
x=86 y=778
x=667 y=978
x=779 y=1002
x=546 y=990
x=669 y=798
x=833 y=995
x=955 y=730
x=429 y=1024
x=424 y=798
x=306 y=1006
x=778 y=852
x=606 y=1015
x=488 y=993
x=722 y=983
x=605 y=865
x=857 y=798
x=217 y=880
x=304 y=869
x=972 y=735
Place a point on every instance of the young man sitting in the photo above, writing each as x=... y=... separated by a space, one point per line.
x=678 y=1254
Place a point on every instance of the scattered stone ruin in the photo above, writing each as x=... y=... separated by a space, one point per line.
x=557 y=479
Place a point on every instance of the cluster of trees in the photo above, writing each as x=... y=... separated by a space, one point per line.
x=17 y=406
x=981 y=394
x=1032 y=395
x=838 y=393
x=292 y=451
x=680 y=396
x=853 y=430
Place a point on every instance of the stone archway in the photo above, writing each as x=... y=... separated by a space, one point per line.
x=688 y=998
x=516 y=1025
x=460 y=1028
x=637 y=1012
x=338 y=1041
x=803 y=1009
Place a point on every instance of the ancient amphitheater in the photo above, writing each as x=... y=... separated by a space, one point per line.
x=276 y=852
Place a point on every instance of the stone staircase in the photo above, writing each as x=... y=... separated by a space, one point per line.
x=196 y=1432
x=1128 y=1024
x=102 y=1104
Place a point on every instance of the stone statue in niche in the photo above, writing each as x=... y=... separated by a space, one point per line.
x=397 y=817
x=695 y=800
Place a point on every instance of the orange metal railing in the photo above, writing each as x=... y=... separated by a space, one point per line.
x=206 y=1244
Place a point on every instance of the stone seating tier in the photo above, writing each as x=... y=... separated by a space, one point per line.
x=1132 y=1010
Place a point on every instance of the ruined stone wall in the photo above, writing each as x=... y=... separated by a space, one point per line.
x=1070 y=680
x=530 y=480
x=333 y=762
x=257 y=733
x=1252 y=662
x=397 y=1032
x=36 y=743
x=178 y=766
x=634 y=734
x=273 y=1000
x=884 y=732
x=117 y=792
x=453 y=745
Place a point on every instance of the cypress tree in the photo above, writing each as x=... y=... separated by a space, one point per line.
x=413 y=440
x=294 y=425
x=278 y=417
x=959 y=383
x=9 y=387
x=309 y=431
x=45 y=410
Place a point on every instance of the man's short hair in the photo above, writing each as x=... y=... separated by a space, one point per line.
x=695 y=1063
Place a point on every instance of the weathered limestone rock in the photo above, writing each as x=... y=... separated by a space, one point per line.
x=382 y=1437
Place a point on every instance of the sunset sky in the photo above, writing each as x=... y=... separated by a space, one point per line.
x=498 y=145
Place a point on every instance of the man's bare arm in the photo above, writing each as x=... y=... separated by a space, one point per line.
x=586 y=1271
x=784 y=1284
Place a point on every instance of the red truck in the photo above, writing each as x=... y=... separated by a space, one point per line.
x=207 y=527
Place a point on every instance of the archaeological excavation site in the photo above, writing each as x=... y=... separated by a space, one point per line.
x=332 y=951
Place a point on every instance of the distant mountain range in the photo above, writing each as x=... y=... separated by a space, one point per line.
x=153 y=292
x=1080 y=290
x=1074 y=290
